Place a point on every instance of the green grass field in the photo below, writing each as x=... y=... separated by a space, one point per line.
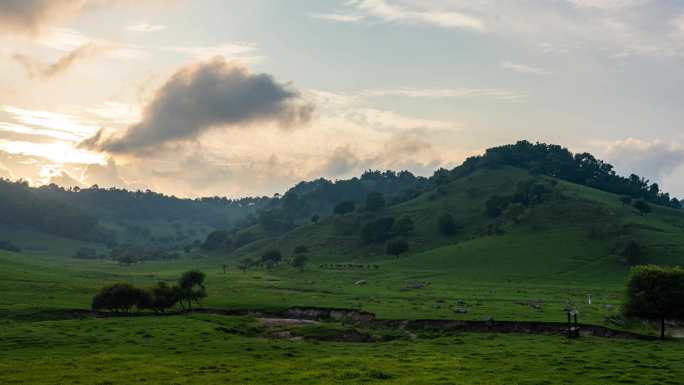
x=562 y=251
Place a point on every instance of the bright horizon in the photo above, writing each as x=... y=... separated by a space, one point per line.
x=270 y=93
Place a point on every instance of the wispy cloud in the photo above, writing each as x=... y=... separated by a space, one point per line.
x=524 y=69
x=339 y=17
x=145 y=27
x=494 y=93
x=38 y=69
x=390 y=11
x=242 y=51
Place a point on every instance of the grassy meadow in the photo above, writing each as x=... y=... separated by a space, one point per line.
x=561 y=252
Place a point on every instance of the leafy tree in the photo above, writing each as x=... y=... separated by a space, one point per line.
x=163 y=297
x=271 y=257
x=299 y=261
x=643 y=207
x=315 y=218
x=344 y=207
x=633 y=253
x=657 y=293
x=191 y=288
x=378 y=230
x=375 y=201
x=447 y=225
x=626 y=200
x=404 y=226
x=397 y=247
x=120 y=297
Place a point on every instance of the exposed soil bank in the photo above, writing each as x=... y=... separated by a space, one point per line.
x=366 y=319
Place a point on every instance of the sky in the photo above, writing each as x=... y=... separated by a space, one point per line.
x=234 y=98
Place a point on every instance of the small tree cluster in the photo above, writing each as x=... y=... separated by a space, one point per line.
x=123 y=297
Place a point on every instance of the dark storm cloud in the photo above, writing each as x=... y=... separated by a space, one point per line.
x=203 y=96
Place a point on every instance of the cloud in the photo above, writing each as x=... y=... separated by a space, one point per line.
x=397 y=12
x=103 y=175
x=494 y=93
x=524 y=69
x=338 y=17
x=28 y=16
x=145 y=27
x=341 y=162
x=229 y=50
x=653 y=159
x=6 y=173
x=41 y=70
x=204 y=96
x=65 y=180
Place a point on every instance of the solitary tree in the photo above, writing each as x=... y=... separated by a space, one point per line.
x=299 y=261
x=447 y=224
x=657 y=293
x=375 y=201
x=397 y=247
x=191 y=288
x=626 y=200
x=315 y=218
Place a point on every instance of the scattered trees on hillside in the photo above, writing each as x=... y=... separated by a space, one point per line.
x=656 y=293
x=397 y=247
x=558 y=162
x=375 y=201
x=9 y=246
x=446 y=224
